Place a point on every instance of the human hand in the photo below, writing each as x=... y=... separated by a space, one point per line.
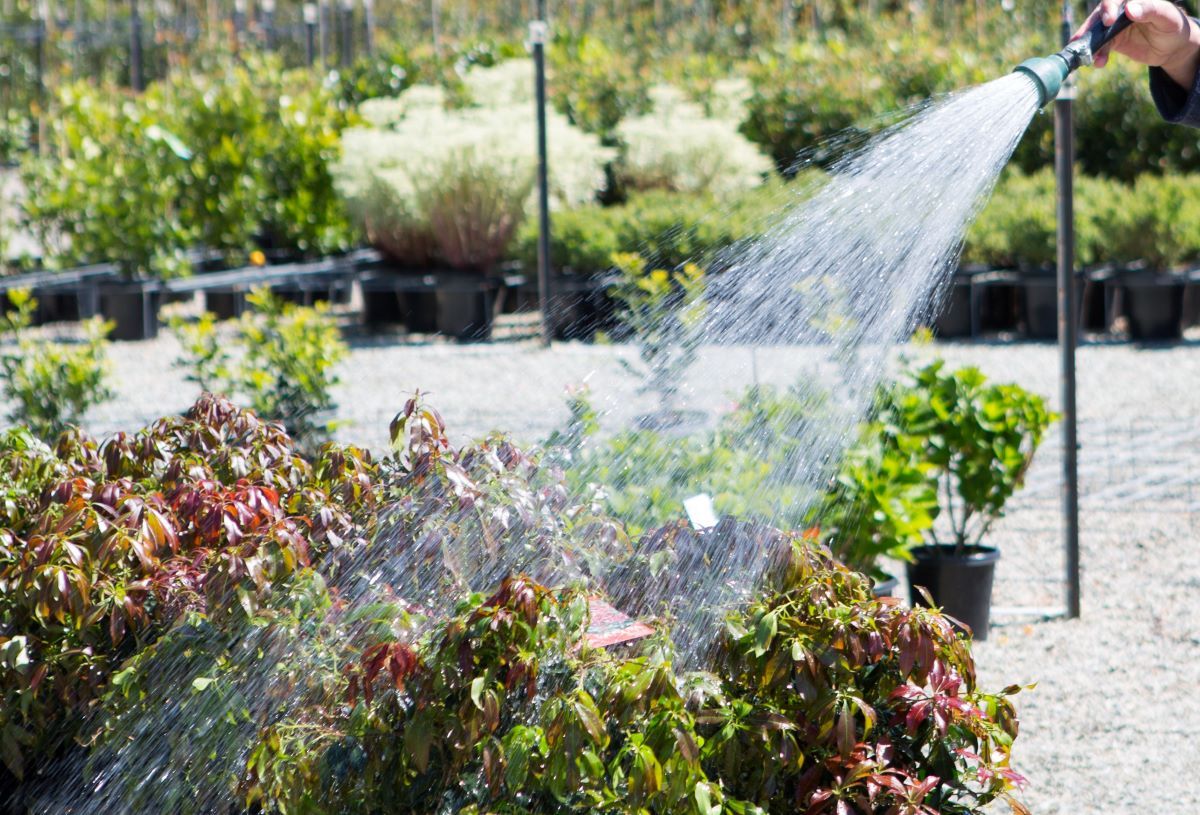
x=1162 y=36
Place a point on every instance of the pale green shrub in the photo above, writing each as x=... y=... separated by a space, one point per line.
x=677 y=147
x=52 y=384
x=459 y=181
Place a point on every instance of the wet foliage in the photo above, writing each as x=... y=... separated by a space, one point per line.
x=200 y=619
x=51 y=383
x=104 y=545
x=821 y=699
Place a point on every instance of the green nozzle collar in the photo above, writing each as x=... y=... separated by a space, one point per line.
x=1047 y=74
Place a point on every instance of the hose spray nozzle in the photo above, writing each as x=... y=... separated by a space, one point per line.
x=1049 y=72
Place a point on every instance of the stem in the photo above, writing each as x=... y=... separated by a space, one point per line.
x=950 y=511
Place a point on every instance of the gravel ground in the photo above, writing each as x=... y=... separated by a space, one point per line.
x=1110 y=727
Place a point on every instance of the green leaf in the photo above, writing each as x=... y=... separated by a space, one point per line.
x=477 y=687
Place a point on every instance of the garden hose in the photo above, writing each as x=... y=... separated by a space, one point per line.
x=1049 y=72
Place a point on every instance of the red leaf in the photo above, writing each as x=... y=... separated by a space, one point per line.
x=916 y=715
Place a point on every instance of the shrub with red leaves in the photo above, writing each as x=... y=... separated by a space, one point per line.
x=102 y=545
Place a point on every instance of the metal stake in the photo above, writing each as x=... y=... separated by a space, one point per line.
x=346 y=52
x=310 y=33
x=537 y=37
x=1064 y=160
x=369 y=27
x=268 y=23
x=135 y=47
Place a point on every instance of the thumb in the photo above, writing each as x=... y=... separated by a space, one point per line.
x=1163 y=17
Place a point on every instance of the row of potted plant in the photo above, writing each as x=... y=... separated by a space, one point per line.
x=1136 y=239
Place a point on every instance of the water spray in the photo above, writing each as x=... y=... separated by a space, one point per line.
x=1049 y=72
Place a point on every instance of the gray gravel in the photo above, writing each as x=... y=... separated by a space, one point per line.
x=1111 y=726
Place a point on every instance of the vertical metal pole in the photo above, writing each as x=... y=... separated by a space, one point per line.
x=239 y=23
x=310 y=33
x=135 y=47
x=537 y=36
x=39 y=42
x=323 y=25
x=268 y=23
x=369 y=27
x=346 y=52
x=1064 y=160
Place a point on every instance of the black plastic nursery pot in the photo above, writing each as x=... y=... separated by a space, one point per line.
x=954 y=318
x=886 y=587
x=961 y=584
x=464 y=306
x=225 y=304
x=67 y=306
x=998 y=311
x=132 y=306
x=1153 y=306
x=581 y=306
x=1039 y=304
x=1191 y=305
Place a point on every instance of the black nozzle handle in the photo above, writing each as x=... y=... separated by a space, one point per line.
x=1100 y=35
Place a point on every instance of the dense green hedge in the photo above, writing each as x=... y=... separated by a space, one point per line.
x=235 y=159
x=1155 y=219
x=667 y=229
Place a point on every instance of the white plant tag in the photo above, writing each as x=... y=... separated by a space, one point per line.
x=700 y=512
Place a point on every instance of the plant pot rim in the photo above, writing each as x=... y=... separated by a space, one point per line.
x=130 y=285
x=974 y=554
x=1150 y=277
x=886 y=585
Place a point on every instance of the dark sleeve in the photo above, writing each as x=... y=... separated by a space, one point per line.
x=1177 y=104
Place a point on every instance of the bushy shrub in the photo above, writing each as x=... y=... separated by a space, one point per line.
x=662 y=313
x=52 y=384
x=814 y=98
x=349 y=687
x=234 y=160
x=203 y=512
x=109 y=186
x=973 y=438
x=677 y=147
x=261 y=148
x=1154 y=221
x=394 y=171
x=823 y=698
x=595 y=86
x=282 y=360
x=582 y=241
x=1149 y=220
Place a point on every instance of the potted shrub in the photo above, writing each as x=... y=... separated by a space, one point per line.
x=880 y=505
x=442 y=191
x=1017 y=230
x=974 y=442
x=1151 y=238
x=107 y=188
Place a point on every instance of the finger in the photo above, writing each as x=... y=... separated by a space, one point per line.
x=1110 y=10
x=1100 y=60
x=1091 y=18
x=1163 y=17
